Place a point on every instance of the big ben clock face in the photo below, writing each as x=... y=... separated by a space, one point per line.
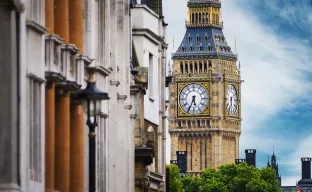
x=231 y=99
x=193 y=99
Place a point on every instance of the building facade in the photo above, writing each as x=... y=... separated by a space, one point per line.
x=47 y=49
x=204 y=94
x=149 y=60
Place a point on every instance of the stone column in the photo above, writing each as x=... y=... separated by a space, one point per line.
x=49 y=15
x=76 y=148
x=49 y=136
x=76 y=24
x=61 y=19
x=62 y=142
x=9 y=128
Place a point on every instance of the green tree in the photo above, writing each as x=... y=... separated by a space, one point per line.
x=229 y=178
x=175 y=181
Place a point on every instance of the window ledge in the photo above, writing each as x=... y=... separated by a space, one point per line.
x=36 y=27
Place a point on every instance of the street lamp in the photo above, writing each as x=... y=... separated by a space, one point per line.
x=93 y=97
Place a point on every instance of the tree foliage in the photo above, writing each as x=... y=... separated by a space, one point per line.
x=228 y=178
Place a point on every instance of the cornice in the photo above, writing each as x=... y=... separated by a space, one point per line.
x=36 y=27
x=16 y=5
x=150 y=35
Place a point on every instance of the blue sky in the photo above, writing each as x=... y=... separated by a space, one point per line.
x=274 y=41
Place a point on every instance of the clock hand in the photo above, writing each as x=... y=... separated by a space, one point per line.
x=231 y=101
x=188 y=110
x=193 y=100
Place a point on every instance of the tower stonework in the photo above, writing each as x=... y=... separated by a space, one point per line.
x=205 y=92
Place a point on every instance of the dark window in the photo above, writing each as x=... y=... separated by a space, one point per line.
x=181 y=67
x=191 y=67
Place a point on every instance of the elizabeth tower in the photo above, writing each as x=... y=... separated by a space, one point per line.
x=205 y=92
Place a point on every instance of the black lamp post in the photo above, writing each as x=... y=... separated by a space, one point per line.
x=93 y=97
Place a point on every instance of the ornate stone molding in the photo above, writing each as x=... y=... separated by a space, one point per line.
x=16 y=5
x=121 y=97
x=117 y=83
x=36 y=27
x=142 y=182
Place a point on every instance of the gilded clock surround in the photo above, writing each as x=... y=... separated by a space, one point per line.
x=204 y=57
x=180 y=111
x=237 y=112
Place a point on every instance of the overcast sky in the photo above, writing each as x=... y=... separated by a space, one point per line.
x=274 y=40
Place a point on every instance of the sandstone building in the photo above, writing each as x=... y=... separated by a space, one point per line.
x=205 y=92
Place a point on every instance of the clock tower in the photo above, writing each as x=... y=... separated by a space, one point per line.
x=205 y=92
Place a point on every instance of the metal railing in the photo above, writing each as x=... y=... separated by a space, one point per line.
x=204 y=24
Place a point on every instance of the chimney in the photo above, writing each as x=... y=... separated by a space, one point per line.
x=239 y=161
x=251 y=157
x=182 y=161
x=306 y=167
x=173 y=162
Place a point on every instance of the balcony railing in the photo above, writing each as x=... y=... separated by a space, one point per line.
x=204 y=24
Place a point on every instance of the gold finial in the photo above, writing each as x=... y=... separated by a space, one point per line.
x=91 y=72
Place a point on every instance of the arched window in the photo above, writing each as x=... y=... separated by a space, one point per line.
x=179 y=124
x=200 y=17
x=198 y=123
x=191 y=67
x=191 y=48
x=181 y=67
x=209 y=48
x=196 y=67
x=201 y=48
x=193 y=19
x=186 y=67
x=197 y=38
x=206 y=37
x=205 y=67
x=200 y=67
x=189 y=38
x=210 y=65
x=183 y=49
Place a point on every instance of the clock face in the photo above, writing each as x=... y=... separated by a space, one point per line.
x=193 y=99
x=231 y=99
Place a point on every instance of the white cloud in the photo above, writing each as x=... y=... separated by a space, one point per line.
x=272 y=68
x=293 y=160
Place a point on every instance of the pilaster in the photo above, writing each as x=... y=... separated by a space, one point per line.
x=76 y=147
x=113 y=105
x=61 y=19
x=76 y=23
x=49 y=137
x=49 y=16
x=9 y=113
x=62 y=144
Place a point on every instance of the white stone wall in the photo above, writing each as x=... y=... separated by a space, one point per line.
x=107 y=40
x=149 y=39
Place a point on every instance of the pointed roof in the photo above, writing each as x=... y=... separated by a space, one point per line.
x=204 y=39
